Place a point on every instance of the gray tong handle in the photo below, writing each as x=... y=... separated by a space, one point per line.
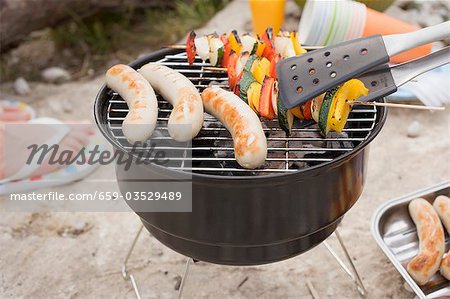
x=384 y=80
x=403 y=73
x=398 y=43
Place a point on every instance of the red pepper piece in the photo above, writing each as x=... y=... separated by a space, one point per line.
x=265 y=101
x=191 y=50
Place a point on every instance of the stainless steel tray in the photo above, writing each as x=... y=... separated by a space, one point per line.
x=395 y=233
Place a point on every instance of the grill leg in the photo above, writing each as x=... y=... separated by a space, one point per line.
x=127 y=275
x=185 y=275
x=353 y=273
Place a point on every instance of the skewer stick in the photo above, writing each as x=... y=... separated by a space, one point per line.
x=393 y=105
x=215 y=69
x=181 y=47
x=176 y=47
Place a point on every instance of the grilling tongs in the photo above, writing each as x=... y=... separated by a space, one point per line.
x=364 y=58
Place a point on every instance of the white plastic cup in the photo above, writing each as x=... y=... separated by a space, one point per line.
x=352 y=32
x=341 y=27
x=325 y=23
x=362 y=19
x=304 y=28
x=327 y=18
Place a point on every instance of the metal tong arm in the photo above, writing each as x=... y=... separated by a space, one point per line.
x=404 y=72
x=398 y=43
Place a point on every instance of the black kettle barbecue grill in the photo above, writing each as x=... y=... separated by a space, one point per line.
x=248 y=217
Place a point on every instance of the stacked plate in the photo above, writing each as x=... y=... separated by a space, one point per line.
x=325 y=23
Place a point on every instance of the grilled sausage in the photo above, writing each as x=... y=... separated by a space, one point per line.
x=140 y=121
x=186 y=119
x=431 y=238
x=442 y=206
x=250 y=144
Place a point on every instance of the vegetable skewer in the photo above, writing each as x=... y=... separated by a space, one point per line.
x=285 y=44
x=250 y=63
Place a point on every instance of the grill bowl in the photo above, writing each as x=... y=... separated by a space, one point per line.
x=243 y=217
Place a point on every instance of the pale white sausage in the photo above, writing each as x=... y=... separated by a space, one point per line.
x=186 y=119
x=250 y=143
x=442 y=206
x=431 y=238
x=140 y=121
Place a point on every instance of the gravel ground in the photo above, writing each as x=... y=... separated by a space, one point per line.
x=79 y=255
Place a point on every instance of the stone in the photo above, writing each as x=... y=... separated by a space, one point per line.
x=414 y=129
x=21 y=86
x=67 y=106
x=55 y=75
x=429 y=19
x=178 y=280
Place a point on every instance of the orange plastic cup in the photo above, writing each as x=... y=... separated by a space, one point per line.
x=379 y=23
x=267 y=13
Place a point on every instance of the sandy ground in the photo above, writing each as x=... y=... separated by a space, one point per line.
x=79 y=255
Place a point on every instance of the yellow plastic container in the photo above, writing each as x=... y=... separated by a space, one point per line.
x=267 y=13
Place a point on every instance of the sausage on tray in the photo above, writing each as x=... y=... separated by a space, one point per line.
x=431 y=238
x=186 y=119
x=442 y=206
x=140 y=121
x=250 y=143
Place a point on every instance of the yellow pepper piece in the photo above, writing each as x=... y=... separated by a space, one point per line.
x=340 y=109
x=261 y=69
x=297 y=112
x=260 y=49
x=235 y=43
x=253 y=95
x=297 y=46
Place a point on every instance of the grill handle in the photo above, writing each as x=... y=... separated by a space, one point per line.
x=403 y=73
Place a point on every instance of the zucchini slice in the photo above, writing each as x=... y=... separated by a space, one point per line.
x=244 y=84
x=285 y=118
x=324 y=125
x=249 y=63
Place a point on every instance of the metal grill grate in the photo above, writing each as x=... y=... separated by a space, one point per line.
x=212 y=150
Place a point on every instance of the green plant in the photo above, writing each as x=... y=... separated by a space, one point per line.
x=109 y=32
x=97 y=33
x=92 y=43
